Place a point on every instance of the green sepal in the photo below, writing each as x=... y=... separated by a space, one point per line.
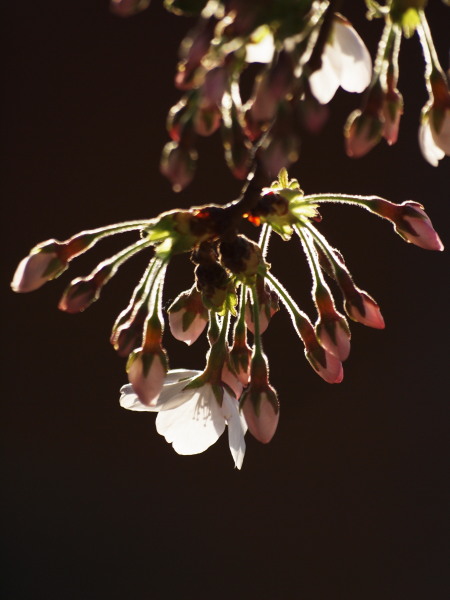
x=218 y=392
x=197 y=382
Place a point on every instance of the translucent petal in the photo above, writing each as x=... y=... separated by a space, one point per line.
x=325 y=81
x=432 y=153
x=195 y=425
x=236 y=429
x=170 y=397
x=355 y=61
x=442 y=139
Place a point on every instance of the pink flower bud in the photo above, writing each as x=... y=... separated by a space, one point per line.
x=268 y=306
x=178 y=164
x=128 y=335
x=259 y=402
x=415 y=226
x=232 y=381
x=43 y=264
x=324 y=364
x=187 y=316
x=261 y=414
x=334 y=335
x=80 y=294
x=362 y=308
x=240 y=356
x=392 y=111
x=363 y=131
x=146 y=373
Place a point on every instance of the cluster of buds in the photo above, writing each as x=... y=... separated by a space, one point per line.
x=232 y=280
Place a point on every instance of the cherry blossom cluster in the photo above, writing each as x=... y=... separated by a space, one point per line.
x=234 y=292
x=304 y=50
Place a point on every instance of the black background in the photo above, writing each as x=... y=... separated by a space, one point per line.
x=349 y=500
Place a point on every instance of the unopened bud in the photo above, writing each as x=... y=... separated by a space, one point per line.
x=80 y=294
x=363 y=131
x=45 y=262
x=178 y=164
x=333 y=334
x=259 y=402
x=146 y=373
x=187 y=316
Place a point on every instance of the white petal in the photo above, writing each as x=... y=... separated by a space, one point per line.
x=442 y=139
x=325 y=81
x=356 y=64
x=195 y=425
x=236 y=429
x=261 y=51
x=129 y=399
x=432 y=153
x=170 y=397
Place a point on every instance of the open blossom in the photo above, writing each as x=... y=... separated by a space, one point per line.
x=346 y=63
x=192 y=419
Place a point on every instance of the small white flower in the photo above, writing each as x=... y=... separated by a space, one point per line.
x=192 y=419
x=346 y=62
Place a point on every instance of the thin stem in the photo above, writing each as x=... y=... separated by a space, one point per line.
x=312 y=259
x=257 y=343
x=112 y=264
x=264 y=239
x=300 y=320
x=429 y=50
x=85 y=240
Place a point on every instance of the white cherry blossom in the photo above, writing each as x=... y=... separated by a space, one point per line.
x=346 y=63
x=192 y=419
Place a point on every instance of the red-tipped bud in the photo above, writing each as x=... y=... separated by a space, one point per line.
x=240 y=357
x=416 y=227
x=45 y=262
x=410 y=221
x=363 y=131
x=362 y=308
x=392 y=111
x=324 y=364
x=333 y=334
x=146 y=373
x=231 y=380
x=178 y=164
x=187 y=316
x=259 y=402
x=128 y=336
x=80 y=294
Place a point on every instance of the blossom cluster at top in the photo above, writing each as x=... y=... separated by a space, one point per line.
x=305 y=51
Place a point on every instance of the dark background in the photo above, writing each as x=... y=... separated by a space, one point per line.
x=349 y=500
